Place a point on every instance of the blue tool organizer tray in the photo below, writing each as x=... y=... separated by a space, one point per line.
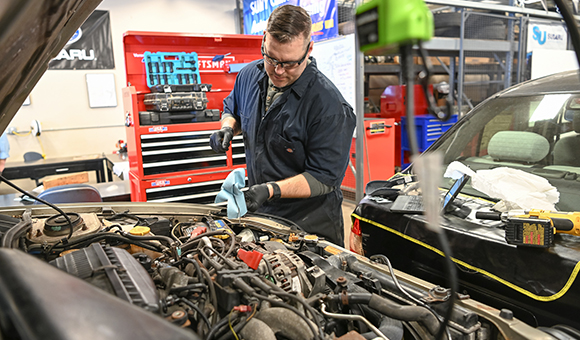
x=171 y=68
x=428 y=130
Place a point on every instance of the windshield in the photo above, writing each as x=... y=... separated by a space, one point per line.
x=538 y=134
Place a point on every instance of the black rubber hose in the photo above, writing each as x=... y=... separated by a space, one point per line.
x=196 y=308
x=232 y=246
x=204 y=273
x=177 y=290
x=18 y=229
x=383 y=258
x=237 y=328
x=109 y=236
x=353 y=298
x=406 y=313
x=211 y=292
x=198 y=273
x=213 y=331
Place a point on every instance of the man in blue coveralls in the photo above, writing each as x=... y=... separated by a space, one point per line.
x=297 y=129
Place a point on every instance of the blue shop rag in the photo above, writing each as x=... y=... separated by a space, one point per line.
x=231 y=192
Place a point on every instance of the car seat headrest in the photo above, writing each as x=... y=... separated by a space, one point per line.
x=518 y=146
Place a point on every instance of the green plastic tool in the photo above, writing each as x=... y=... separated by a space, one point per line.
x=384 y=25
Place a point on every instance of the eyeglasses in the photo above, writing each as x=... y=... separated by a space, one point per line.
x=287 y=65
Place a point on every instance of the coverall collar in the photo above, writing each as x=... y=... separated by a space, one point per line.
x=301 y=84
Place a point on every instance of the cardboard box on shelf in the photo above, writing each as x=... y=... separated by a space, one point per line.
x=478 y=60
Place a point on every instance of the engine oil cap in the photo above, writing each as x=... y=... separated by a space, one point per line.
x=139 y=231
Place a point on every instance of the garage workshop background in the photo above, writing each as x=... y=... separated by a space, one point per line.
x=60 y=99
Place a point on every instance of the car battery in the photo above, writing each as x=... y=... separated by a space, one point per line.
x=175 y=101
x=181 y=117
x=181 y=88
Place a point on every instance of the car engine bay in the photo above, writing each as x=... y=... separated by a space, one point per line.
x=186 y=271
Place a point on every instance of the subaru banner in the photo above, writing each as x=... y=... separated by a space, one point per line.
x=89 y=48
x=546 y=35
x=323 y=13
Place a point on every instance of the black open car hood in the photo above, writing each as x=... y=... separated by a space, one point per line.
x=31 y=34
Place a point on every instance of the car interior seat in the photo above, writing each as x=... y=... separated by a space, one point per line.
x=514 y=148
x=71 y=193
x=32 y=156
x=567 y=149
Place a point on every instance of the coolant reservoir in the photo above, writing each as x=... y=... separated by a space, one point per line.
x=142 y=231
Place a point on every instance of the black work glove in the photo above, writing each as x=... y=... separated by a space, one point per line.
x=256 y=196
x=220 y=140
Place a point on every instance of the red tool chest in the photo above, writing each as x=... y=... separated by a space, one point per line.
x=379 y=153
x=173 y=162
x=393 y=106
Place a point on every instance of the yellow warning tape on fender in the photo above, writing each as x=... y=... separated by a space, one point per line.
x=556 y=296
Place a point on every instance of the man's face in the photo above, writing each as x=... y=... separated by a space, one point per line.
x=275 y=52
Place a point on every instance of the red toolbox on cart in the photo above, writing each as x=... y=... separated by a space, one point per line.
x=379 y=153
x=172 y=160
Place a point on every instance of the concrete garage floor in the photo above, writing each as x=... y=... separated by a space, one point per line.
x=347 y=209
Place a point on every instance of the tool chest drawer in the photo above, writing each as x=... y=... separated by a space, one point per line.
x=182 y=151
x=201 y=188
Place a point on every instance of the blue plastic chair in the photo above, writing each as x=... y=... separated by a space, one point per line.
x=70 y=193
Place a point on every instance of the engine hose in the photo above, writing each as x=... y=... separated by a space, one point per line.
x=108 y=236
x=177 y=290
x=205 y=274
x=390 y=308
x=8 y=241
x=213 y=331
x=196 y=308
x=405 y=313
x=232 y=246
x=228 y=331
x=212 y=293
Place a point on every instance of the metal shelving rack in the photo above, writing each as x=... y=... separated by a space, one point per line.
x=506 y=56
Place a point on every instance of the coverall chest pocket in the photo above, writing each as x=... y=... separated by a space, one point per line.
x=290 y=153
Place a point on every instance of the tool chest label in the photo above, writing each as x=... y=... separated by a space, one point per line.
x=206 y=63
x=158 y=129
x=160 y=183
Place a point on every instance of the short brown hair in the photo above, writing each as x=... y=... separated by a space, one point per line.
x=288 y=22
